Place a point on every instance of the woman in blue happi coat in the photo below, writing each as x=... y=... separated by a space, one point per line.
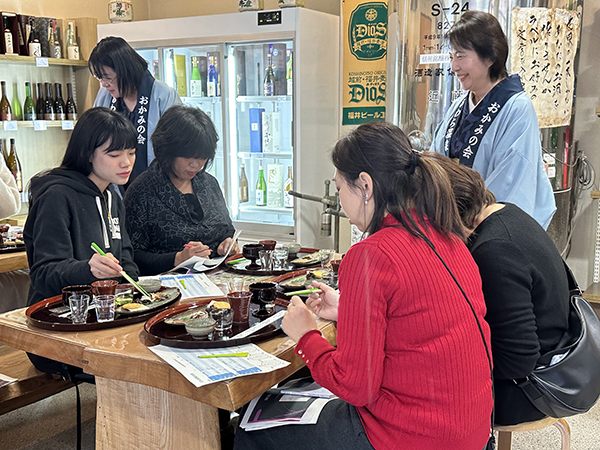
x=493 y=128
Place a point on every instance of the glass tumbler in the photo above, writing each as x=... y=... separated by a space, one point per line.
x=280 y=256
x=105 y=307
x=79 y=305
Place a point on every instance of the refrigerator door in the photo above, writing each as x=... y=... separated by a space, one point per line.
x=196 y=74
x=261 y=147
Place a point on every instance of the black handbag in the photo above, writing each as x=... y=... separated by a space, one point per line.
x=570 y=385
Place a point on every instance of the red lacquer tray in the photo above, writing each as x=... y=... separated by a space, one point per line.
x=40 y=316
x=242 y=268
x=175 y=335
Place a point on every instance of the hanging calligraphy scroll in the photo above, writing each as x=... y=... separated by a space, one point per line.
x=543 y=47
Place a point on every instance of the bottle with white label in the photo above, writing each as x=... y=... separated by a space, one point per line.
x=288 y=200
x=261 y=188
x=33 y=44
x=8 y=40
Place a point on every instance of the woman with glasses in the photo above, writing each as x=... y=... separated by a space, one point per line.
x=176 y=210
x=126 y=86
x=493 y=129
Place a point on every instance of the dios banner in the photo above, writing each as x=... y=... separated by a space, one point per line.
x=365 y=61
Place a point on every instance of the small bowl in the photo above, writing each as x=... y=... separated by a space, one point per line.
x=335 y=265
x=293 y=248
x=150 y=285
x=268 y=244
x=200 y=328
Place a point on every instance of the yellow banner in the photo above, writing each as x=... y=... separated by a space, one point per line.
x=365 y=61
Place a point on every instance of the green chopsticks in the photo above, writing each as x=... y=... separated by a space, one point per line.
x=235 y=261
x=225 y=355
x=307 y=291
x=127 y=277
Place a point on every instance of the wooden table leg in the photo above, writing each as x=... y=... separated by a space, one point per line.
x=134 y=416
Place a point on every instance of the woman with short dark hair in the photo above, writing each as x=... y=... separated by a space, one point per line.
x=410 y=366
x=525 y=287
x=176 y=210
x=494 y=128
x=126 y=86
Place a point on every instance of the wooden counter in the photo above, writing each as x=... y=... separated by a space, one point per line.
x=13 y=261
x=144 y=403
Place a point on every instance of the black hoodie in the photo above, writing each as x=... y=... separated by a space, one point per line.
x=67 y=212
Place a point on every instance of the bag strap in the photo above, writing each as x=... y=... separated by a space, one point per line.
x=491 y=442
x=573 y=285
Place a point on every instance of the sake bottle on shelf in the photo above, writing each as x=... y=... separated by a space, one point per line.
x=60 y=110
x=4 y=151
x=72 y=48
x=49 y=111
x=16 y=104
x=14 y=165
x=70 y=106
x=28 y=106
x=53 y=41
x=288 y=72
x=213 y=78
x=33 y=43
x=261 y=188
x=288 y=200
x=8 y=39
x=243 y=185
x=40 y=107
x=5 y=109
x=196 y=79
x=269 y=83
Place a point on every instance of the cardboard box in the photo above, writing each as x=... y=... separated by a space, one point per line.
x=255 y=116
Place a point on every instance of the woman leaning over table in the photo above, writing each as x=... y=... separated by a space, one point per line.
x=74 y=205
x=410 y=367
x=493 y=128
x=176 y=210
x=525 y=287
x=128 y=87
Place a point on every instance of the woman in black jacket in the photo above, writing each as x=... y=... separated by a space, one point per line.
x=175 y=209
x=525 y=287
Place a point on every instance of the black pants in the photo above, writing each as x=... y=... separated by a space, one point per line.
x=67 y=371
x=339 y=427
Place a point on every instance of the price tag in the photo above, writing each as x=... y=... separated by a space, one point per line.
x=41 y=62
x=67 y=124
x=10 y=125
x=39 y=125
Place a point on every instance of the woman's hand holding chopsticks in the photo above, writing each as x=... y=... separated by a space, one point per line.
x=103 y=267
x=325 y=303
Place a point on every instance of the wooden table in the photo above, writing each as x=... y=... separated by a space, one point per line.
x=13 y=261
x=144 y=403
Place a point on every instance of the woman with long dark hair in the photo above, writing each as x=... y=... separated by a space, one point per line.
x=493 y=128
x=410 y=368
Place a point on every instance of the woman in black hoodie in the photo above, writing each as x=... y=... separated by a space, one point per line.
x=73 y=205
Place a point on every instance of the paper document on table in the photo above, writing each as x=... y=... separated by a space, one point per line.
x=190 y=286
x=203 y=371
x=203 y=264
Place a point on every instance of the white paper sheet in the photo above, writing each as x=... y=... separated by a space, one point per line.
x=203 y=264
x=201 y=372
x=191 y=285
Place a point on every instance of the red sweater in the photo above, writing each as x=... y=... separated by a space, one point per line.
x=410 y=356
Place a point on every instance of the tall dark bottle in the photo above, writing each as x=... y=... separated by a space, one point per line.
x=14 y=165
x=28 y=106
x=33 y=44
x=59 y=104
x=5 y=109
x=49 y=111
x=40 y=107
x=70 y=106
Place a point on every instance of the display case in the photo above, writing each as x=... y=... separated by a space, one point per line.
x=271 y=91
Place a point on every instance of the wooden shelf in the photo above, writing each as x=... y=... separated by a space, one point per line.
x=51 y=61
x=592 y=293
x=49 y=123
x=595 y=194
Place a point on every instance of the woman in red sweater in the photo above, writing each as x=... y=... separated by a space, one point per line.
x=410 y=367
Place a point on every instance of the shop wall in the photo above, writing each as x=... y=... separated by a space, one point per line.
x=587 y=132
x=71 y=8
x=159 y=9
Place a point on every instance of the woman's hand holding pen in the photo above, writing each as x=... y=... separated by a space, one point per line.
x=190 y=249
x=325 y=303
x=103 y=267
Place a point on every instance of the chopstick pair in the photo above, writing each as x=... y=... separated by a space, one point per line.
x=306 y=291
x=123 y=273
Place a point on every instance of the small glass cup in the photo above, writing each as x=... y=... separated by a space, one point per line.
x=326 y=255
x=105 y=307
x=279 y=258
x=79 y=305
x=223 y=318
x=266 y=260
x=240 y=305
x=236 y=285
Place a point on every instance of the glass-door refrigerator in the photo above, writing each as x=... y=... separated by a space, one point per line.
x=269 y=81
